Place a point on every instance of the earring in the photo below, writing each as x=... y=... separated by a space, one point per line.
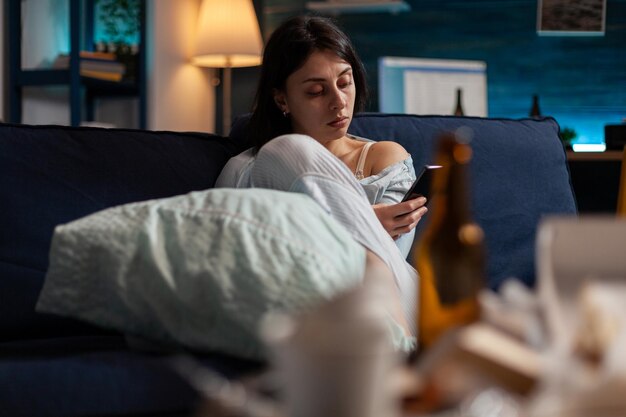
x=285 y=114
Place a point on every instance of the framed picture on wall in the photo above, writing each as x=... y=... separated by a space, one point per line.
x=571 y=17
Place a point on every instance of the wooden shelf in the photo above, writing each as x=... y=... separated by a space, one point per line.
x=595 y=156
x=109 y=88
x=35 y=77
x=81 y=17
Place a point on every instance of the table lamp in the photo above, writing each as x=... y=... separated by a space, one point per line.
x=228 y=36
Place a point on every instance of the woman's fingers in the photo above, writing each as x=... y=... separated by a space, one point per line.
x=405 y=229
x=409 y=206
x=400 y=218
x=415 y=217
x=386 y=216
x=410 y=218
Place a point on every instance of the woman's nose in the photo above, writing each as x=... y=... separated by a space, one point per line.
x=338 y=101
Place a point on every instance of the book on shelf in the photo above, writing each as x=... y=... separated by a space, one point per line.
x=101 y=65
x=106 y=56
x=102 y=75
x=98 y=55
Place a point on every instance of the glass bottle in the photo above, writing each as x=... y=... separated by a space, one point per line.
x=458 y=110
x=451 y=253
x=534 y=110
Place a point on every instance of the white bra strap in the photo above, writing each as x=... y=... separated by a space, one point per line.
x=361 y=163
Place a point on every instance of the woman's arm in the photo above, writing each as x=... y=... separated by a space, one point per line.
x=397 y=218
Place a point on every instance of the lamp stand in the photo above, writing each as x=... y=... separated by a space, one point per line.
x=226 y=100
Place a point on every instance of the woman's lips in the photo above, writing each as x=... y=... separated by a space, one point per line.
x=339 y=122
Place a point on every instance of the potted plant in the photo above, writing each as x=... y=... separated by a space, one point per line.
x=567 y=135
x=121 y=20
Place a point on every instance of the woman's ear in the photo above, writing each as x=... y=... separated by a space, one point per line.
x=281 y=101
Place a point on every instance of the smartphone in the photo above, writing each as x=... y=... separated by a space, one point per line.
x=421 y=185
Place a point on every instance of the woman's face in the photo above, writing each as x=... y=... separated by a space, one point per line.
x=319 y=97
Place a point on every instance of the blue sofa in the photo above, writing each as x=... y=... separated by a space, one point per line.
x=52 y=366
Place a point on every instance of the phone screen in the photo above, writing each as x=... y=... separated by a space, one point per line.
x=421 y=185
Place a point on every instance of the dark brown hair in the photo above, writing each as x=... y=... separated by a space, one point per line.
x=288 y=48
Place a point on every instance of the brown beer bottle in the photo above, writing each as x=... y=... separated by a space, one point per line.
x=534 y=109
x=450 y=255
x=458 y=109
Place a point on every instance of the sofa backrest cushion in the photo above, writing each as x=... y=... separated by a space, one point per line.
x=51 y=175
x=518 y=175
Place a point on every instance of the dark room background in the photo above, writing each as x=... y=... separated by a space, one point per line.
x=580 y=80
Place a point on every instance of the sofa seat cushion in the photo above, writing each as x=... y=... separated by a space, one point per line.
x=99 y=376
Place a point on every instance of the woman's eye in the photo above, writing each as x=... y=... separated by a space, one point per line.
x=345 y=83
x=315 y=93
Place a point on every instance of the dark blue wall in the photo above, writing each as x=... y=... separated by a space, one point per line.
x=580 y=80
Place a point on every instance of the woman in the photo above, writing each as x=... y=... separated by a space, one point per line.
x=310 y=85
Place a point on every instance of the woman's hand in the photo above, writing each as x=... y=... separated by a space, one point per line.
x=400 y=218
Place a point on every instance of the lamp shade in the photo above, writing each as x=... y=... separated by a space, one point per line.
x=228 y=35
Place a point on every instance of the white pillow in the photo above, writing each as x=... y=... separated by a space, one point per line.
x=200 y=270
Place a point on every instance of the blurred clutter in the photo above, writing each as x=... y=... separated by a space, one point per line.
x=554 y=352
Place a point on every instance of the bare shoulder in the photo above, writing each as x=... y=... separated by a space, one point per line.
x=384 y=154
